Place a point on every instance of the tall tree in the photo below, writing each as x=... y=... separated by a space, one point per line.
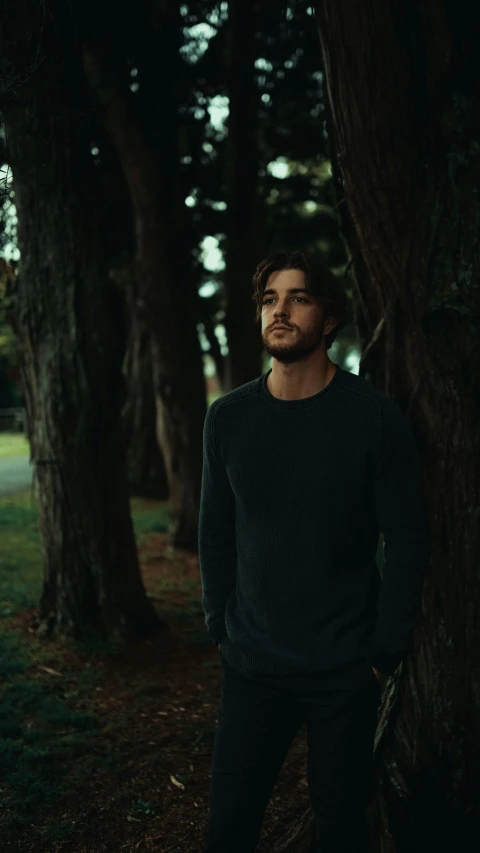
x=403 y=85
x=144 y=466
x=145 y=470
x=146 y=136
x=68 y=322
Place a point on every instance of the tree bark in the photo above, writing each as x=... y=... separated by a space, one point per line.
x=207 y=318
x=244 y=223
x=67 y=318
x=145 y=471
x=404 y=91
x=166 y=291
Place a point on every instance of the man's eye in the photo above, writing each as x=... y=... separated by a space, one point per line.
x=265 y=301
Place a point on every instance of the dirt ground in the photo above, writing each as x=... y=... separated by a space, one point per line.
x=148 y=767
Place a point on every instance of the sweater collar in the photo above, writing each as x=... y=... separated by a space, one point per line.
x=305 y=402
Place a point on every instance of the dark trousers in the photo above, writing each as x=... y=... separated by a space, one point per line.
x=258 y=720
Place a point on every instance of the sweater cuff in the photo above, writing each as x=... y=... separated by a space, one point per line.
x=216 y=630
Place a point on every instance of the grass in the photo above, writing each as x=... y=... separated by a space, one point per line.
x=20 y=556
x=13 y=444
x=148 y=517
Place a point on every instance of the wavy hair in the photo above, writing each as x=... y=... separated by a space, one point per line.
x=319 y=281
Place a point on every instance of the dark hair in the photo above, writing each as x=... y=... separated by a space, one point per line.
x=319 y=281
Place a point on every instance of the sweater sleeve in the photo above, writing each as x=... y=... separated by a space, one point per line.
x=217 y=550
x=402 y=517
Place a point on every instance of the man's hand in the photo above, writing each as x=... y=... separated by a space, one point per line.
x=379 y=675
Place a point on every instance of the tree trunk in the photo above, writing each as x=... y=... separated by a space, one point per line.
x=166 y=289
x=404 y=91
x=206 y=317
x=244 y=221
x=145 y=471
x=67 y=318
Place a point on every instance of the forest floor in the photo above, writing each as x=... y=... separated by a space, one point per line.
x=109 y=749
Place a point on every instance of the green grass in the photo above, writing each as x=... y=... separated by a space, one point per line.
x=20 y=555
x=13 y=444
x=148 y=517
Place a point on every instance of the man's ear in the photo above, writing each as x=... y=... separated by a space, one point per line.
x=330 y=324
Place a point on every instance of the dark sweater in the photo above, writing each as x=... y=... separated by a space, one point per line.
x=294 y=494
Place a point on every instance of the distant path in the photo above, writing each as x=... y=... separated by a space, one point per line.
x=16 y=475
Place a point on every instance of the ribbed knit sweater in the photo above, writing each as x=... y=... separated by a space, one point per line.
x=294 y=495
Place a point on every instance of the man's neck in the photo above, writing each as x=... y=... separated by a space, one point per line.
x=287 y=388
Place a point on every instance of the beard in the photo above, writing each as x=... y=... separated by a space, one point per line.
x=293 y=346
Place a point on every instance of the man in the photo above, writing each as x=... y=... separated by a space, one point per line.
x=302 y=468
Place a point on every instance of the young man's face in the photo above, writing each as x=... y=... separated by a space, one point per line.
x=300 y=312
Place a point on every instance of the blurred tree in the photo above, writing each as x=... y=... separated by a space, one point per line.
x=404 y=92
x=144 y=466
x=10 y=388
x=145 y=469
x=68 y=323
x=147 y=142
